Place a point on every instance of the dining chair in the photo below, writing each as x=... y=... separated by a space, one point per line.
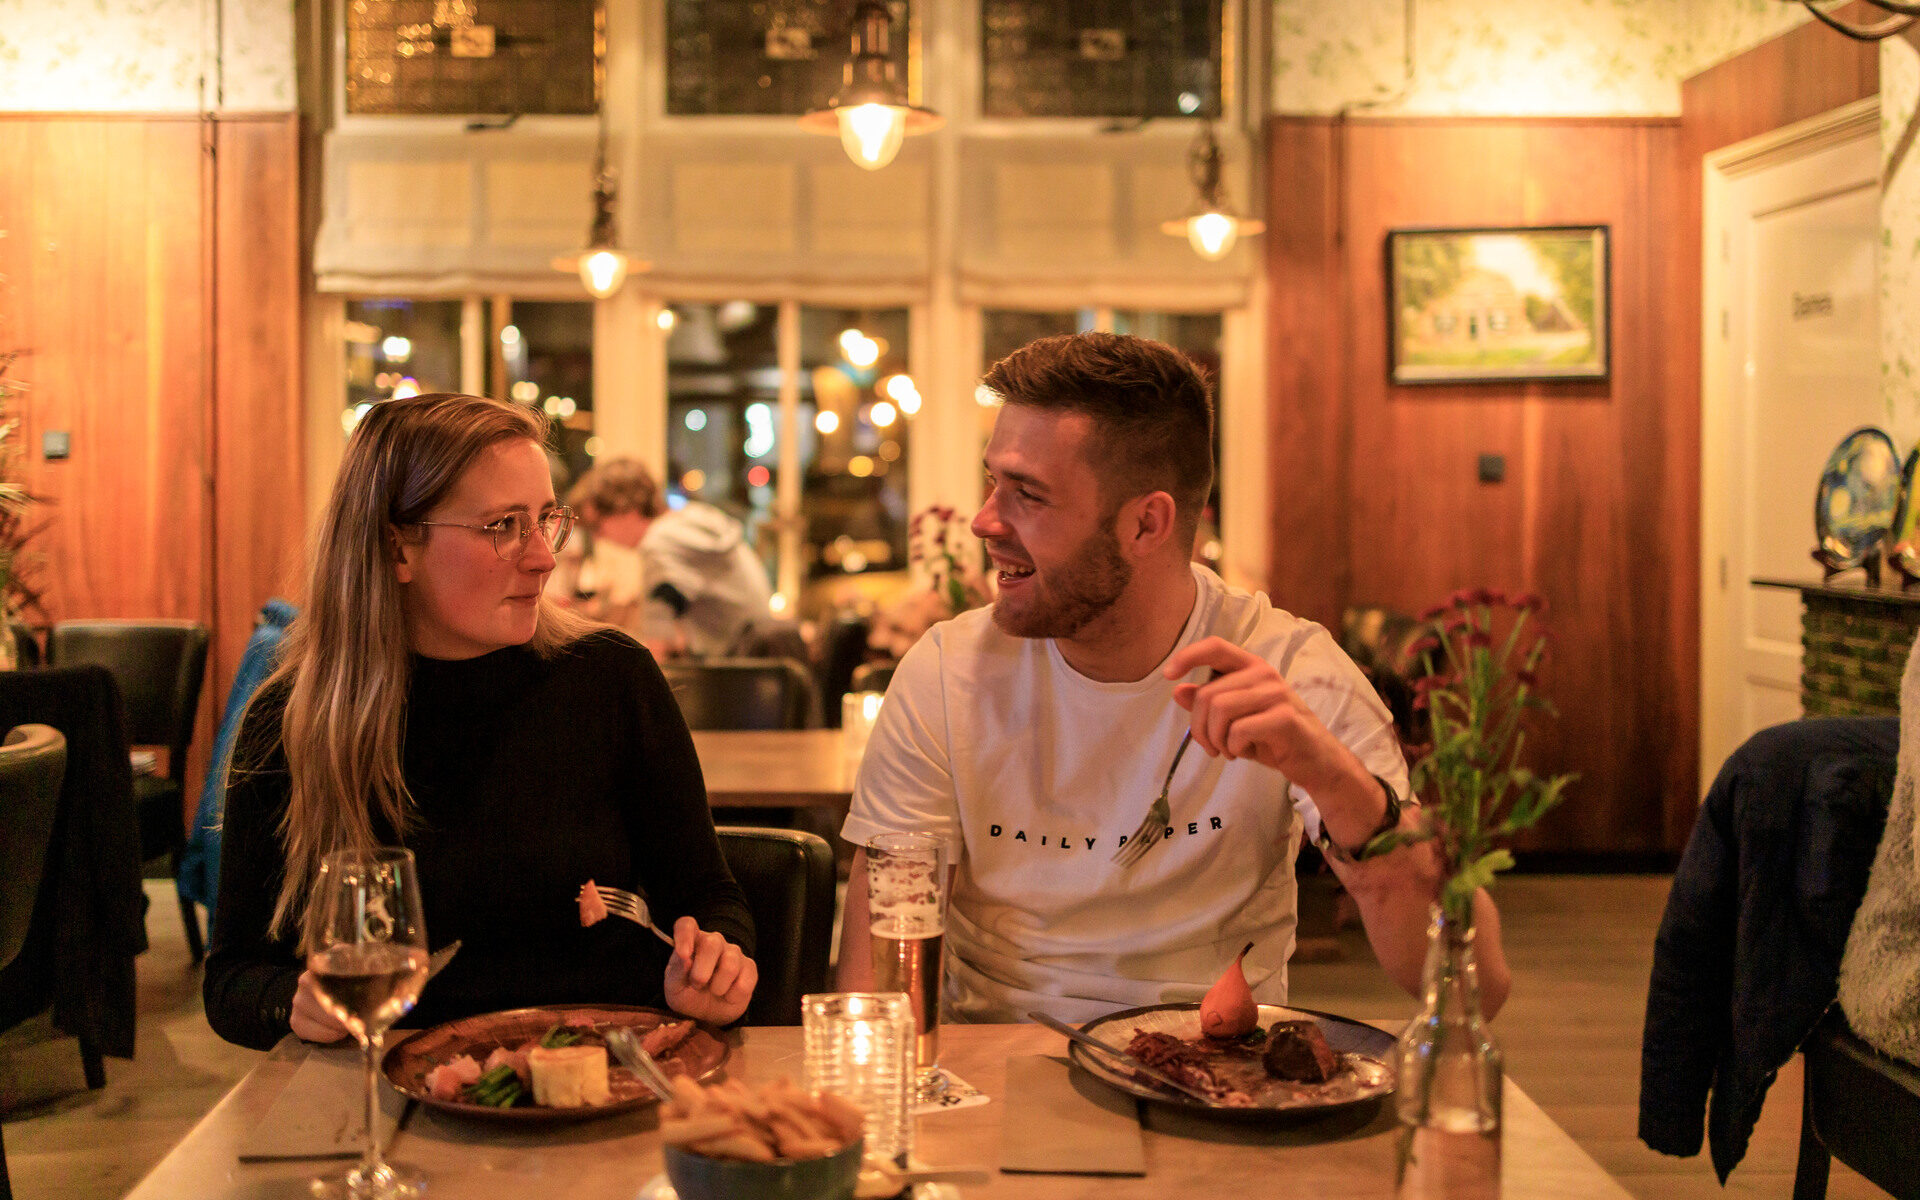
x=33 y=762
x=1860 y=1107
x=159 y=666
x=788 y=876
x=872 y=677
x=744 y=693
x=26 y=644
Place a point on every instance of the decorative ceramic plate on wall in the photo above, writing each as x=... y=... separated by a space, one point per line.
x=1859 y=492
x=1906 y=518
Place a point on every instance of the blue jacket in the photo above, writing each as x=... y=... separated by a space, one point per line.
x=1748 y=952
x=199 y=876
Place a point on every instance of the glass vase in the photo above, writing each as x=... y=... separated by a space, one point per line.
x=1447 y=1095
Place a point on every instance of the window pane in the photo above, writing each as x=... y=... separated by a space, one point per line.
x=1100 y=58
x=723 y=412
x=547 y=352
x=854 y=436
x=1197 y=335
x=1004 y=330
x=410 y=345
x=767 y=57
x=441 y=56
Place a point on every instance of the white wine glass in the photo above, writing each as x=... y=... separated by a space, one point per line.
x=366 y=945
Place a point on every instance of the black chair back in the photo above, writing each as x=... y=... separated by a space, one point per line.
x=872 y=677
x=788 y=876
x=33 y=761
x=1860 y=1107
x=159 y=666
x=744 y=693
x=26 y=644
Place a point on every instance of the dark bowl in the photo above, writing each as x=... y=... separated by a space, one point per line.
x=698 y=1177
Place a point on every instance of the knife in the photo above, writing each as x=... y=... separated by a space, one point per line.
x=1125 y=1059
x=438 y=960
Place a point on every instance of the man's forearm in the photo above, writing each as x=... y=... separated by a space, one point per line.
x=1395 y=893
x=855 y=970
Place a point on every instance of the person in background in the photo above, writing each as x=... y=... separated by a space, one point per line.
x=430 y=695
x=705 y=588
x=1034 y=735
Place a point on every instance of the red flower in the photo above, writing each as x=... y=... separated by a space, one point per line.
x=1461 y=598
x=1531 y=602
x=1434 y=613
x=1458 y=622
x=1479 y=640
x=1528 y=678
x=1489 y=596
x=1422 y=645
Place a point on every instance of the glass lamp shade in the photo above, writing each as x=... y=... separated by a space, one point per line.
x=603 y=271
x=872 y=133
x=1213 y=233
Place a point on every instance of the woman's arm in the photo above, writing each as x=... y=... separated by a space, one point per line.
x=251 y=978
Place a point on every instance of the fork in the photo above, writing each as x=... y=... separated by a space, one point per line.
x=627 y=1049
x=632 y=906
x=1153 y=826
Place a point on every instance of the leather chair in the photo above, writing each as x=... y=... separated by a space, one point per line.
x=1860 y=1107
x=26 y=644
x=872 y=677
x=159 y=666
x=32 y=762
x=744 y=693
x=788 y=876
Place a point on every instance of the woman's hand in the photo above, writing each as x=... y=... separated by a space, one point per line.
x=310 y=1021
x=708 y=978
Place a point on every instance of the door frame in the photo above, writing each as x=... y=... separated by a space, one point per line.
x=1720 y=595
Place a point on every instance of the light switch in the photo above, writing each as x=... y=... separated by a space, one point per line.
x=1493 y=468
x=55 y=444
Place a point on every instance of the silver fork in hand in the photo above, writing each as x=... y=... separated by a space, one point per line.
x=1154 y=826
x=631 y=905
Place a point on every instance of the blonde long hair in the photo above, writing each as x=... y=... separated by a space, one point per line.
x=347 y=660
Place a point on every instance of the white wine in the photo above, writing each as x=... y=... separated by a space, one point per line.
x=910 y=962
x=368 y=987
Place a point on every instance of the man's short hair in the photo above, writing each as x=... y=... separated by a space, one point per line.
x=1151 y=407
x=619 y=485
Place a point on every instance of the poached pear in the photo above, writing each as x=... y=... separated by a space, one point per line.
x=1228 y=1010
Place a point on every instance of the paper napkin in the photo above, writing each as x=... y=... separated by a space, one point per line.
x=320 y=1113
x=1051 y=1127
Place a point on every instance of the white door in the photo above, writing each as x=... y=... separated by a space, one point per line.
x=1791 y=365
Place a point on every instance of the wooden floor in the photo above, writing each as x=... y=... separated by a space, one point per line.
x=1580 y=946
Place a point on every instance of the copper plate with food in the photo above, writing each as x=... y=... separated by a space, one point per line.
x=571 y=1084
x=1314 y=1064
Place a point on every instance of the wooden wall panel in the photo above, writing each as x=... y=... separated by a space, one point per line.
x=1578 y=517
x=165 y=351
x=259 y=454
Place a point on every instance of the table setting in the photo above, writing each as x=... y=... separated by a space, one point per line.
x=869 y=1097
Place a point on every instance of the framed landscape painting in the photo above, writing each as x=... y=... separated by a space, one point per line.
x=1491 y=305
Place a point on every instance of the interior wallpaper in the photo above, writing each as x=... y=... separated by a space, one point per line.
x=145 y=55
x=1900 y=238
x=1508 y=57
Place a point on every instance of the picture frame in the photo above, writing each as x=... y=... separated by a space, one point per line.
x=1499 y=304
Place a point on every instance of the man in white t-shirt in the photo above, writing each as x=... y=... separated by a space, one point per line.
x=1033 y=736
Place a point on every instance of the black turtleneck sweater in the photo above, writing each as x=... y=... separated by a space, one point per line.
x=529 y=776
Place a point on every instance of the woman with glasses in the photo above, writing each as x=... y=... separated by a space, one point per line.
x=430 y=695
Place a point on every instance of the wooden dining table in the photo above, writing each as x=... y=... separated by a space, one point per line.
x=775 y=768
x=1350 y=1154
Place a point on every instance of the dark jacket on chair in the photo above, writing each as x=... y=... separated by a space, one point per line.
x=1748 y=951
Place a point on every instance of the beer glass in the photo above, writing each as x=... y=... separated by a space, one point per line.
x=907 y=910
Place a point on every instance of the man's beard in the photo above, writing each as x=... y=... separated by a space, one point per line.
x=1073 y=594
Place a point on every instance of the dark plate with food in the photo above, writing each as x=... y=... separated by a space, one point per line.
x=1296 y=1063
x=548 y=1063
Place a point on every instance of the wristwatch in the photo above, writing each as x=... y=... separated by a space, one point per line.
x=1389 y=821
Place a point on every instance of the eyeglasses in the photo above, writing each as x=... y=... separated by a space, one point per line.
x=510 y=533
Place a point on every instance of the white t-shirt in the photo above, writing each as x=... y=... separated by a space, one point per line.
x=1034 y=773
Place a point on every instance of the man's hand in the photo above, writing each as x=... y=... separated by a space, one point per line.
x=1248 y=711
x=708 y=978
x=309 y=1020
